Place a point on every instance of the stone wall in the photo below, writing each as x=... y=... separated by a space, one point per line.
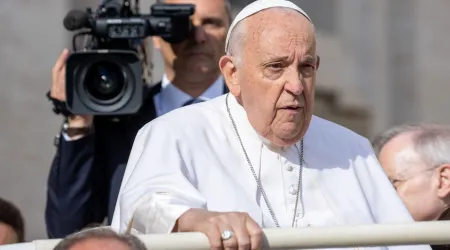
x=384 y=62
x=32 y=36
x=328 y=105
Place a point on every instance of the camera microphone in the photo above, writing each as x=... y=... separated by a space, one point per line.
x=76 y=19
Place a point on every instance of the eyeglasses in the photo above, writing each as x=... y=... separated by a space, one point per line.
x=397 y=181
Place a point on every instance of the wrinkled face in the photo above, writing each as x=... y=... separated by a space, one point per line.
x=199 y=54
x=7 y=235
x=417 y=184
x=275 y=74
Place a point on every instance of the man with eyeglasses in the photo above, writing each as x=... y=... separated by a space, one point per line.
x=416 y=159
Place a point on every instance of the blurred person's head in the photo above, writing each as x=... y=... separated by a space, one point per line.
x=195 y=60
x=12 y=228
x=100 y=239
x=416 y=159
x=270 y=67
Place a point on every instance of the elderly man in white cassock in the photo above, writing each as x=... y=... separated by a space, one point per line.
x=257 y=157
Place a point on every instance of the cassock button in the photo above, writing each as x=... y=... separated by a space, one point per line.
x=289 y=168
x=293 y=190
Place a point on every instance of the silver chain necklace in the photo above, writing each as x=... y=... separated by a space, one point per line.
x=258 y=181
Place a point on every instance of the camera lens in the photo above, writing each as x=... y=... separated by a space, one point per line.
x=105 y=81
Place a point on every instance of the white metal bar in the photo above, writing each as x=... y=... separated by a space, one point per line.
x=418 y=233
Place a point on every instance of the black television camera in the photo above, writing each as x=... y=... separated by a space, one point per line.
x=105 y=77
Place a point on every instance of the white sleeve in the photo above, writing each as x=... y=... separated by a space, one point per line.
x=386 y=205
x=156 y=189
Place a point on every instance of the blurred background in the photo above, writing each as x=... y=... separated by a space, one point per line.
x=384 y=62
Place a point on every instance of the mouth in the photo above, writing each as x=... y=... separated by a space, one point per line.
x=292 y=108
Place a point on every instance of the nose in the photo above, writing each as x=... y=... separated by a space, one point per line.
x=294 y=83
x=199 y=35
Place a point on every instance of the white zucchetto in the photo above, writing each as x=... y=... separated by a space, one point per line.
x=258 y=6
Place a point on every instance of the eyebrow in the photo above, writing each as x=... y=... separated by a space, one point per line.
x=277 y=58
x=309 y=59
x=212 y=19
x=306 y=59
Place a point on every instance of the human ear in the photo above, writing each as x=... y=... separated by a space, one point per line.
x=229 y=69
x=443 y=173
x=317 y=62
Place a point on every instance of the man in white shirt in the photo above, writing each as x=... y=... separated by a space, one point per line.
x=255 y=158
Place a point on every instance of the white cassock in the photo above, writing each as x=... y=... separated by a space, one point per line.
x=192 y=158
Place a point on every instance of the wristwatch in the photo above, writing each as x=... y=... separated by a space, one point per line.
x=71 y=132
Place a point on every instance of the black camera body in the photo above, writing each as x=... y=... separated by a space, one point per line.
x=101 y=82
x=105 y=77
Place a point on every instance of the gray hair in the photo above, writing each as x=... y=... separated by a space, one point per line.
x=430 y=141
x=383 y=138
x=100 y=233
x=236 y=41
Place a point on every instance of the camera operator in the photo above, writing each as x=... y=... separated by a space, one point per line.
x=92 y=152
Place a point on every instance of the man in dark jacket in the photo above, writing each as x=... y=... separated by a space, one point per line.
x=92 y=152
